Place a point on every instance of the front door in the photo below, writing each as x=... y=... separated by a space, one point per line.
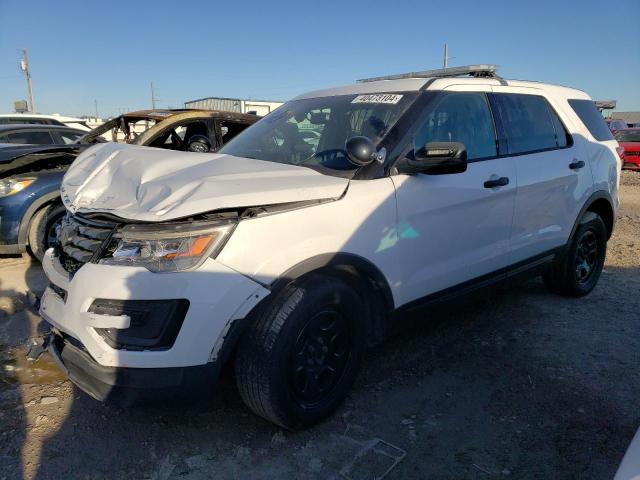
x=455 y=228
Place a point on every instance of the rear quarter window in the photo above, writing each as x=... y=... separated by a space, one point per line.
x=592 y=119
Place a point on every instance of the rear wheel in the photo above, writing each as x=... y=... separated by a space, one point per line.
x=42 y=229
x=577 y=272
x=301 y=356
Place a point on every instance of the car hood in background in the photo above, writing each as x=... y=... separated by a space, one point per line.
x=17 y=158
x=148 y=184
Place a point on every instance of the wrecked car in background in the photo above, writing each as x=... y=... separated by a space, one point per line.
x=173 y=129
x=30 y=176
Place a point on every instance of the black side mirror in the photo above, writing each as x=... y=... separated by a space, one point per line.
x=436 y=158
x=199 y=143
x=360 y=151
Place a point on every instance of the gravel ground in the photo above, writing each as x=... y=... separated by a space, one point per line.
x=513 y=383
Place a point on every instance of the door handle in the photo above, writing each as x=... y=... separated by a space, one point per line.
x=498 y=182
x=576 y=164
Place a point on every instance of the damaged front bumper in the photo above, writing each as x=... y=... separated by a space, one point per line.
x=108 y=366
x=128 y=386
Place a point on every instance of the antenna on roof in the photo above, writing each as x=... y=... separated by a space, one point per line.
x=480 y=71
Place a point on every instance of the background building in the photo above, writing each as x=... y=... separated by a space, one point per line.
x=631 y=118
x=259 y=107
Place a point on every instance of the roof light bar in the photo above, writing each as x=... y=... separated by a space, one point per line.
x=605 y=104
x=482 y=70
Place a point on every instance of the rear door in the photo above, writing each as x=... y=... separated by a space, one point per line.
x=554 y=177
x=453 y=228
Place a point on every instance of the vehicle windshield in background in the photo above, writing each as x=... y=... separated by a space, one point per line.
x=628 y=135
x=313 y=131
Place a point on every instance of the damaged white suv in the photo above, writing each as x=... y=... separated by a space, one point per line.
x=289 y=251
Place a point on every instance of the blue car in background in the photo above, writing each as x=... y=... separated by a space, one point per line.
x=30 y=205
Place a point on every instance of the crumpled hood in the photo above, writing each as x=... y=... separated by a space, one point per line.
x=149 y=184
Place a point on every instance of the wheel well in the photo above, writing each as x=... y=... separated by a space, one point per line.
x=375 y=298
x=50 y=203
x=367 y=280
x=602 y=207
x=42 y=202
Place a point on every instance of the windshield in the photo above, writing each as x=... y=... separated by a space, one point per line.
x=313 y=131
x=628 y=135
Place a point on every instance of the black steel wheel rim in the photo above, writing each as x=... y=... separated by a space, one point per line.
x=586 y=256
x=320 y=356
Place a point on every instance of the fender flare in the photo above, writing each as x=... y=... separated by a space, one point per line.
x=600 y=194
x=33 y=208
x=337 y=260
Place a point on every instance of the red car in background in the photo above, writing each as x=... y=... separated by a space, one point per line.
x=629 y=140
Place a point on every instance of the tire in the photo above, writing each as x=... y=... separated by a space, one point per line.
x=42 y=229
x=301 y=355
x=577 y=272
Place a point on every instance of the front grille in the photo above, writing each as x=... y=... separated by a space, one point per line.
x=632 y=154
x=80 y=240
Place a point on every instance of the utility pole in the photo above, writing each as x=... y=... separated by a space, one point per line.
x=24 y=66
x=446 y=56
x=153 y=98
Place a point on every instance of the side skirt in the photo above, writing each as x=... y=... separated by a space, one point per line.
x=527 y=268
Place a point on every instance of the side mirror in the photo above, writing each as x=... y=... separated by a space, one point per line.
x=360 y=151
x=199 y=143
x=436 y=158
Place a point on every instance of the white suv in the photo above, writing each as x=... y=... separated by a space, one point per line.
x=287 y=252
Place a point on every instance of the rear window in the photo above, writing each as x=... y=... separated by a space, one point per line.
x=529 y=123
x=592 y=119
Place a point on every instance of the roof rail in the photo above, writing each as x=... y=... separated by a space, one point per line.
x=482 y=70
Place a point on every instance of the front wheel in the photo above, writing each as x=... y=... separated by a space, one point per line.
x=301 y=356
x=578 y=271
x=42 y=229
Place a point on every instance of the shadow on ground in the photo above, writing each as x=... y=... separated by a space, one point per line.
x=513 y=382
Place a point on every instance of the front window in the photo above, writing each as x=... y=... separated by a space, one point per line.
x=313 y=132
x=628 y=135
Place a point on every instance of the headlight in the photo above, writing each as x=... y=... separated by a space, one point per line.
x=168 y=248
x=11 y=186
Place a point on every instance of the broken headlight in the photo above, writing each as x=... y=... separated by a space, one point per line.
x=168 y=248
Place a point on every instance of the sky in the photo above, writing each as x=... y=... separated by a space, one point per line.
x=82 y=52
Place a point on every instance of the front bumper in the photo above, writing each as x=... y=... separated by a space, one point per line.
x=129 y=386
x=217 y=295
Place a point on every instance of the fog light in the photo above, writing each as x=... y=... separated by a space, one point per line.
x=154 y=323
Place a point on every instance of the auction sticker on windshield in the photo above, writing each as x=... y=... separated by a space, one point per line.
x=377 y=98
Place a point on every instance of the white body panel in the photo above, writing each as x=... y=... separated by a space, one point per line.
x=217 y=295
x=362 y=223
x=550 y=194
x=451 y=228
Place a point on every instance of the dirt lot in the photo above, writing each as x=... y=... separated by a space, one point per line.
x=515 y=383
